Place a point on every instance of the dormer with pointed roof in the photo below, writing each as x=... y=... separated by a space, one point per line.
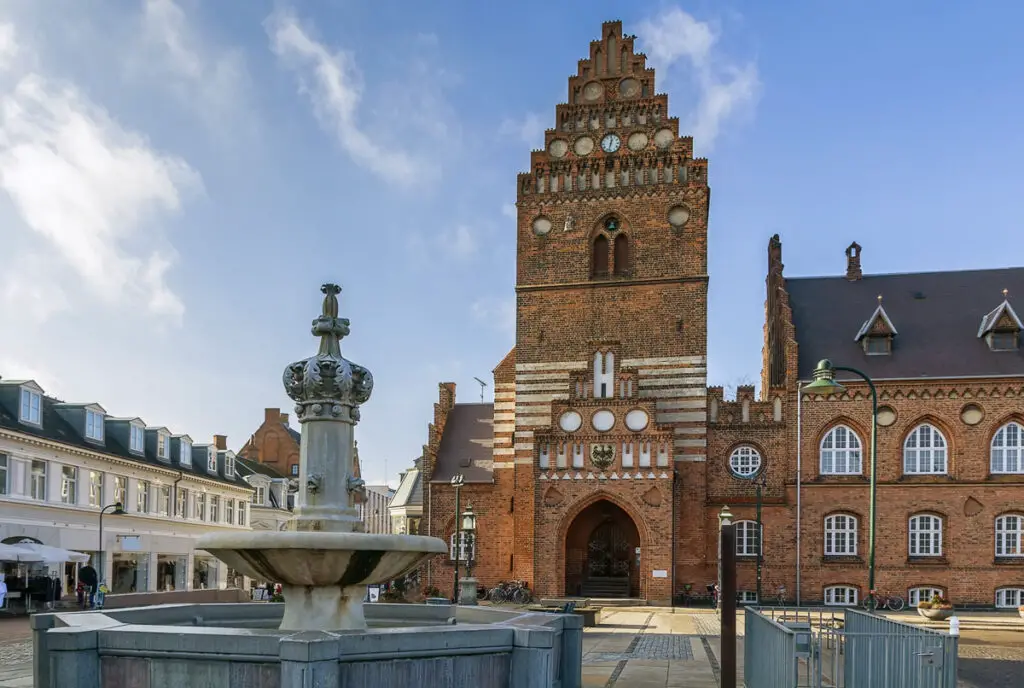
x=1001 y=327
x=877 y=332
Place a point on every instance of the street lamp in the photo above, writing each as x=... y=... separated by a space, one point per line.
x=762 y=482
x=117 y=511
x=825 y=382
x=724 y=519
x=458 y=480
x=468 y=592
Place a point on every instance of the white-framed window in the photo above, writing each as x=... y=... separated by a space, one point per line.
x=919 y=595
x=259 y=495
x=840 y=535
x=163 y=500
x=925 y=451
x=136 y=441
x=96 y=489
x=201 y=506
x=746 y=597
x=142 y=498
x=37 y=481
x=840 y=596
x=241 y=512
x=163 y=445
x=4 y=474
x=69 y=484
x=185 y=453
x=747 y=541
x=1009 y=598
x=840 y=452
x=229 y=465
x=745 y=461
x=94 y=425
x=1010 y=536
x=1007 y=451
x=229 y=511
x=180 y=502
x=31 y=407
x=211 y=459
x=295 y=469
x=214 y=509
x=120 y=490
x=467 y=547
x=925 y=536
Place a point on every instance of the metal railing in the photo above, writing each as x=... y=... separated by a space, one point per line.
x=843 y=648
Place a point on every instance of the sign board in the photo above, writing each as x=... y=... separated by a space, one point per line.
x=638 y=550
x=374 y=592
x=130 y=543
x=659 y=573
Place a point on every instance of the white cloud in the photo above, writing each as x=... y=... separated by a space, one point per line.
x=333 y=83
x=461 y=241
x=530 y=129
x=725 y=89
x=86 y=188
x=497 y=313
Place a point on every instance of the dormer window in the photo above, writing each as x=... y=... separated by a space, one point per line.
x=31 y=405
x=229 y=465
x=876 y=334
x=1000 y=328
x=163 y=445
x=94 y=425
x=185 y=453
x=136 y=441
x=1003 y=341
x=211 y=460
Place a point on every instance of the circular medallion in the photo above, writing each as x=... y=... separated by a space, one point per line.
x=558 y=148
x=584 y=146
x=637 y=141
x=629 y=88
x=610 y=143
x=971 y=414
x=603 y=420
x=541 y=225
x=886 y=416
x=592 y=91
x=637 y=420
x=678 y=215
x=570 y=421
x=745 y=462
x=663 y=138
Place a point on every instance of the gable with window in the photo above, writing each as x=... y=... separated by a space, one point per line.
x=1010 y=536
x=923 y=594
x=877 y=333
x=1001 y=327
x=1007 y=449
x=840 y=535
x=841 y=596
x=925 y=451
x=748 y=544
x=31 y=406
x=840 y=452
x=925 y=535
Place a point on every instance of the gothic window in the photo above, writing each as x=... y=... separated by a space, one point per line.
x=840 y=452
x=621 y=259
x=1007 y=451
x=599 y=256
x=924 y=451
x=604 y=375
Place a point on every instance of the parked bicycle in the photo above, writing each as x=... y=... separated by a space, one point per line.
x=780 y=596
x=516 y=592
x=884 y=601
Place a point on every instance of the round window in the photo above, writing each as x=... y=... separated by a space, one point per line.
x=570 y=421
x=745 y=461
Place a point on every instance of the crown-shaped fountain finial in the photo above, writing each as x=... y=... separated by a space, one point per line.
x=327 y=385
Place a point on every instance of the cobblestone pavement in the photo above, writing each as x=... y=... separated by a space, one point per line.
x=15 y=653
x=991 y=659
x=657 y=646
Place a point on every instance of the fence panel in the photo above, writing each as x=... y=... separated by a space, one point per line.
x=769 y=652
x=881 y=653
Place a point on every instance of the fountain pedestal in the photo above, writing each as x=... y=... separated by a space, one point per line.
x=467 y=591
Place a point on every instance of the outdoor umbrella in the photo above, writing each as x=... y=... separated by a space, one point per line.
x=51 y=555
x=12 y=553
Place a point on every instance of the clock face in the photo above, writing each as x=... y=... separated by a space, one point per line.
x=610 y=143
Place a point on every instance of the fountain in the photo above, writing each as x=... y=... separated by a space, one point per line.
x=322 y=560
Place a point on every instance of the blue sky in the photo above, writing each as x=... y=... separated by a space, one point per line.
x=178 y=178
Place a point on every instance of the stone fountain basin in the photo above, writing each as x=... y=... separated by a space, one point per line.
x=321 y=559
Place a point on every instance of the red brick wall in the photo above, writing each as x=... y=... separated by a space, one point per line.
x=272 y=444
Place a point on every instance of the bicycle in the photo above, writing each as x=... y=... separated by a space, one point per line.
x=516 y=592
x=885 y=601
x=780 y=596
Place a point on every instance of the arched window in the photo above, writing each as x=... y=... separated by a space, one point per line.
x=467 y=546
x=1010 y=536
x=747 y=541
x=924 y=451
x=841 y=596
x=919 y=595
x=1007 y=455
x=599 y=256
x=621 y=257
x=1008 y=598
x=840 y=452
x=841 y=535
x=925 y=536
x=745 y=461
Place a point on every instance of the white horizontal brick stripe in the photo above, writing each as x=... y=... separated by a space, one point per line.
x=701 y=416
x=531 y=377
x=557 y=365
x=498 y=417
x=504 y=406
x=503 y=464
x=524 y=446
x=524 y=462
x=503 y=427
x=542 y=398
x=696 y=430
x=535 y=421
x=689 y=404
x=504 y=451
x=696 y=458
x=682 y=370
x=553 y=387
x=502 y=386
x=524 y=433
x=698 y=381
x=662 y=361
x=682 y=444
x=673 y=393
x=668 y=404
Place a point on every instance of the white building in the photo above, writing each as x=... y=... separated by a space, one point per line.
x=273 y=494
x=406 y=508
x=374 y=511
x=61 y=463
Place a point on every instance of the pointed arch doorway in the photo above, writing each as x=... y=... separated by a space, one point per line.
x=600 y=553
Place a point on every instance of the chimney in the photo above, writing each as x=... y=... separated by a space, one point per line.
x=220 y=442
x=853 y=272
x=284 y=418
x=271 y=415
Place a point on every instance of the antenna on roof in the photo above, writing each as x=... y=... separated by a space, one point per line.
x=482 y=385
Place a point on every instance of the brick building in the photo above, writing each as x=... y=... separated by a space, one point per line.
x=602 y=465
x=275 y=443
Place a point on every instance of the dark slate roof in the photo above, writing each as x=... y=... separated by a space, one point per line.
x=249 y=467
x=56 y=429
x=466 y=445
x=296 y=435
x=410 y=489
x=936 y=316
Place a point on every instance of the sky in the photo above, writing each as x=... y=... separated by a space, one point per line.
x=178 y=178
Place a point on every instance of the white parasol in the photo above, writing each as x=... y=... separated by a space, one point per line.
x=50 y=555
x=12 y=553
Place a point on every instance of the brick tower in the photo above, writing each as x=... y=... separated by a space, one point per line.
x=608 y=385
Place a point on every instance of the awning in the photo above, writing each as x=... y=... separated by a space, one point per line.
x=12 y=553
x=50 y=555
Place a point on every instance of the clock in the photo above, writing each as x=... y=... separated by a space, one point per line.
x=610 y=143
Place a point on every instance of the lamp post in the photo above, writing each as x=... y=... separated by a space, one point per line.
x=762 y=482
x=825 y=382
x=724 y=519
x=117 y=511
x=457 y=482
x=467 y=595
